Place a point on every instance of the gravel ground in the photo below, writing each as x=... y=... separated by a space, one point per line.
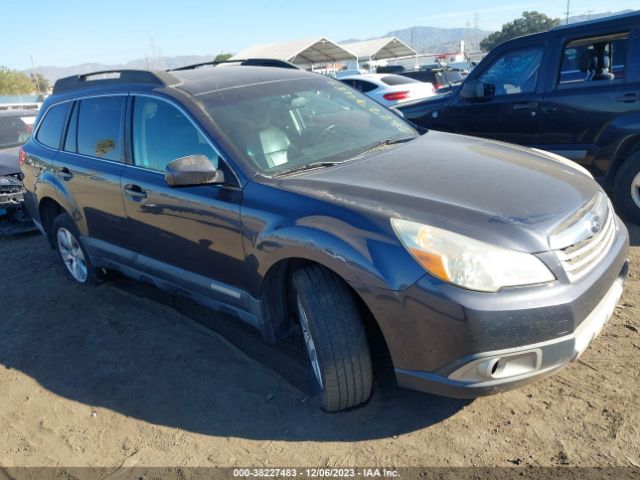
x=122 y=375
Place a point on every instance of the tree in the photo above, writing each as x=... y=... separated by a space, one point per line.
x=40 y=83
x=530 y=22
x=13 y=82
x=223 y=57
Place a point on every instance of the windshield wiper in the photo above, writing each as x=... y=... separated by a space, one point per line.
x=308 y=166
x=384 y=143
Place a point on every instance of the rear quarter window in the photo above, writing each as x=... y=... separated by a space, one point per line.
x=52 y=125
x=397 y=80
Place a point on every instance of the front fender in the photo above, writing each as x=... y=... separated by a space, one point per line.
x=360 y=248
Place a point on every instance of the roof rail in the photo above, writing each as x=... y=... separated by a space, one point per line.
x=620 y=16
x=85 y=80
x=250 y=62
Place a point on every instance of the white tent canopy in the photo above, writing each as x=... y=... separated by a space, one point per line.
x=301 y=52
x=380 y=49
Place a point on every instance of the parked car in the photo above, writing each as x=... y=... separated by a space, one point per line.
x=15 y=129
x=574 y=91
x=388 y=89
x=310 y=212
x=443 y=79
x=349 y=73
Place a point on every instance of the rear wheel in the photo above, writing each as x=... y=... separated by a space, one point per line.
x=72 y=253
x=627 y=188
x=334 y=337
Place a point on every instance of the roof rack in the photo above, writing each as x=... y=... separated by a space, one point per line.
x=250 y=62
x=87 y=80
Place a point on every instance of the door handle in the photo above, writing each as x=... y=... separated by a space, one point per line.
x=525 y=106
x=65 y=174
x=135 y=193
x=628 y=98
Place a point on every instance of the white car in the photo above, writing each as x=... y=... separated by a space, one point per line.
x=389 y=89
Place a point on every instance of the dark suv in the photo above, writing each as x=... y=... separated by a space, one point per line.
x=444 y=79
x=311 y=212
x=574 y=91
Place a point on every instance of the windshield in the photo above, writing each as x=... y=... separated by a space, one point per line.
x=15 y=129
x=286 y=125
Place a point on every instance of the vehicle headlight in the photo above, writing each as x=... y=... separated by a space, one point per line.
x=469 y=263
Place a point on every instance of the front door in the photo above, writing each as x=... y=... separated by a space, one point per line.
x=511 y=112
x=188 y=236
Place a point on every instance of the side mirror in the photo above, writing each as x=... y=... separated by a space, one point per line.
x=477 y=90
x=192 y=170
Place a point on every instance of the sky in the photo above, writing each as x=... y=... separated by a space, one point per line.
x=68 y=32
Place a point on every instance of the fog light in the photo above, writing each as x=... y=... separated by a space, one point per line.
x=499 y=367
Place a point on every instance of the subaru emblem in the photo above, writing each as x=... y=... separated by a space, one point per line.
x=596 y=224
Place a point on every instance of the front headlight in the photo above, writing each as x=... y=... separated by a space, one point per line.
x=469 y=263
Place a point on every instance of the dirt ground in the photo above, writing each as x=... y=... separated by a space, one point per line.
x=121 y=375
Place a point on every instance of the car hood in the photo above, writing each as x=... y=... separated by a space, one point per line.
x=9 y=161
x=499 y=193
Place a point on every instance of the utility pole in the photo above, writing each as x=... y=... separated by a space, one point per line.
x=568 y=12
x=35 y=77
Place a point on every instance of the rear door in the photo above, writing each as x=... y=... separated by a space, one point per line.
x=88 y=170
x=511 y=113
x=592 y=86
x=189 y=236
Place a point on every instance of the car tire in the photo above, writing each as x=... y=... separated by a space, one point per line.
x=626 y=190
x=74 y=256
x=334 y=337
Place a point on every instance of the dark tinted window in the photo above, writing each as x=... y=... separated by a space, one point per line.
x=592 y=59
x=100 y=127
x=422 y=76
x=364 y=86
x=50 y=131
x=397 y=80
x=161 y=133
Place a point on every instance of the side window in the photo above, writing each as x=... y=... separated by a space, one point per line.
x=515 y=72
x=71 y=141
x=100 y=127
x=161 y=133
x=594 y=59
x=50 y=131
x=364 y=86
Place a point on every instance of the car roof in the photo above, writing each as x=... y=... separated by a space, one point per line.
x=196 y=81
x=205 y=80
x=630 y=18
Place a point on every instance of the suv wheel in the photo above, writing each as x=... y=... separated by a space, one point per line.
x=72 y=253
x=335 y=338
x=627 y=188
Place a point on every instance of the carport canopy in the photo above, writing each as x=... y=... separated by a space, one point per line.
x=380 y=49
x=300 y=52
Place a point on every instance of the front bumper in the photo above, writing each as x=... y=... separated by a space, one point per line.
x=447 y=340
x=500 y=370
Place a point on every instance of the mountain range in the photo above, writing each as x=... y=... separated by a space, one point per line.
x=423 y=39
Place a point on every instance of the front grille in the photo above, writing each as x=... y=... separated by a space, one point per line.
x=582 y=242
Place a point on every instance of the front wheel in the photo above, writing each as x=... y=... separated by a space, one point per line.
x=334 y=337
x=627 y=188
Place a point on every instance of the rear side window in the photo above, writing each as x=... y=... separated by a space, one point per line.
x=363 y=86
x=99 y=131
x=50 y=130
x=397 y=80
x=589 y=61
